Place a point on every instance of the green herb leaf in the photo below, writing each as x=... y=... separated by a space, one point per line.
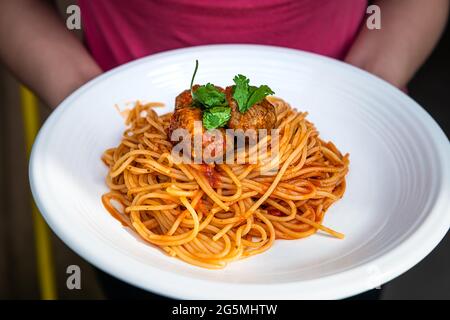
x=216 y=112
x=216 y=117
x=258 y=95
x=208 y=96
x=240 y=93
x=193 y=76
x=247 y=96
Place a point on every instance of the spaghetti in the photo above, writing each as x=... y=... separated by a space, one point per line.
x=209 y=216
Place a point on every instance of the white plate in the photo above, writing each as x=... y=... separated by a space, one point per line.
x=394 y=212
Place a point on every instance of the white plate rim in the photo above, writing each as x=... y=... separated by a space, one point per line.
x=412 y=248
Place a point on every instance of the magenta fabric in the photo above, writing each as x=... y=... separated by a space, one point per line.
x=118 y=31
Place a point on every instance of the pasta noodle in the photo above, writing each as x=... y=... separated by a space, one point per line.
x=208 y=216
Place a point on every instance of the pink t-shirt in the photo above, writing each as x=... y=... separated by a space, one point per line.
x=118 y=31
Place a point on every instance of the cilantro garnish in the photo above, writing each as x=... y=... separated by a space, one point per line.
x=209 y=97
x=216 y=117
x=245 y=95
x=216 y=111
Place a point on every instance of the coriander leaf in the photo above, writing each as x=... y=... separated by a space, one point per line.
x=246 y=95
x=241 y=92
x=246 y=106
x=208 y=96
x=193 y=76
x=216 y=117
x=251 y=89
x=258 y=95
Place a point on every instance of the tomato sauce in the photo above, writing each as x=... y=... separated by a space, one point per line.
x=211 y=174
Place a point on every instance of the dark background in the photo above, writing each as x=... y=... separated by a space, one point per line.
x=430 y=279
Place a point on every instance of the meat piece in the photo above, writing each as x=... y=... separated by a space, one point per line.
x=259 y=116
x=184 y=117
x=186 y=114
x=184 y=99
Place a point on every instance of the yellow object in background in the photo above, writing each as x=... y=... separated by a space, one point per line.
x=45 y=267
